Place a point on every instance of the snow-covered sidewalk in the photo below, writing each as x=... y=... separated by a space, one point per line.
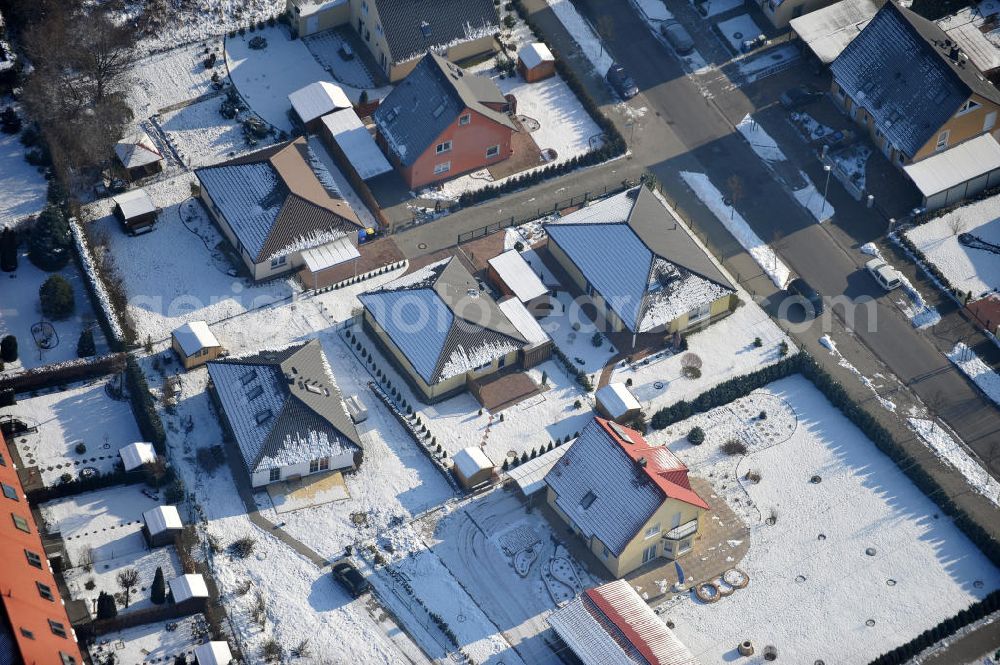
x=735 y=224
x=953 y=454
x=920 y=314
x=973 y=366
x=583 y=34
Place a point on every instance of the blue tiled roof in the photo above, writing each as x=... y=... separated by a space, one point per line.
x=416 y=321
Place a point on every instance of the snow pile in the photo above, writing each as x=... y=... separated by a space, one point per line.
x=971 y=270
x=736 y=225
x=921 y=314
x=584 y=35
x=654 y=10
x=810 y=199
x=973 y=366
x=886 y=403
x=760 y=141
x=952 y=452
x=828 y=342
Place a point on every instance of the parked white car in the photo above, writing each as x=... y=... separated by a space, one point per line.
x=887 y=276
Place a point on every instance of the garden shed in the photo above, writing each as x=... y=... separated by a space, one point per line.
x=195 y=344
x=160 y=525
x=213 y=653
x=315 y=100
x=472 y=467
x=616 y=401
x=135 y=210
x=134 y=455
x=190 y=593
x=535 y=62
x=138 y=155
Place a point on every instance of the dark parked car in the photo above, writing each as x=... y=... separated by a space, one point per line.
x=677 y=36
x=622 y=82
x=349 y=578
x=799 y=97
x=813 y=304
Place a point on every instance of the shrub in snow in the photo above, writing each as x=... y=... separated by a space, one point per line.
x=757 y=343
x=545 y=377
x=596 y=339
x=691 y=372
x=762 y=415
x=85 y=346
x=628 y=382
x=8 y=250
x=81 y=448
x=524 y=457
x=696 y=436
x=754 y=476
x=258 y=43
x=106 y=607
x=577 y=404
x=49 y=243
x=56 y=297
x=734 y=447
x=8 y=349
x=271 y=651
x=175 y=491
x=66 y=478
x=158 y=592
x=243 y=547
x=10 y=123
x=783 y=348
x=302 y=649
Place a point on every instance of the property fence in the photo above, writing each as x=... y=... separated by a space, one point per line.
x=70 y=371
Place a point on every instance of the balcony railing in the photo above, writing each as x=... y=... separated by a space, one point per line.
x=682 y=531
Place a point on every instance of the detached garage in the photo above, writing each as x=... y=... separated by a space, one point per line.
x=957 y=173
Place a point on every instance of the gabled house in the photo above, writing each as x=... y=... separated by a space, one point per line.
x=285 y=413
x=442 y=121
x=441 y=330
x=398 y=32
x=640 y=266
x=913 y=87
x=630 y=501
x=276 y=203
x=612 y=624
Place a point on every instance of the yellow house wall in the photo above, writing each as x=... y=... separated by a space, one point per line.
x=962 y=127
x=308 y=24
x=190 y=362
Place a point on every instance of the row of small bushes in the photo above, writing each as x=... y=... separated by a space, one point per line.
x=581 y=376
x=903 y=653
x=144 y=407
x=259 y=25
x=614 y=143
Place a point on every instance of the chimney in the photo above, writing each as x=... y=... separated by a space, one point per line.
x=642 y=462
x=953 y=53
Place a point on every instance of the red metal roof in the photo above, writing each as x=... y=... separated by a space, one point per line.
x=658 y=462
x=23 y=603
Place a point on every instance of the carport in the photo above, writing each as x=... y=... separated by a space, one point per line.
x=957 y=173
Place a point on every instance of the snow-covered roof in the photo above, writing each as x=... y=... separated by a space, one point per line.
x=441 y=321
x=310 y=7
x=187 y=587
x=162 y=518
x=194 y=336
x=612 y=481
x=518 y=275
x=470 y=461
x=827 y=31
x=283 y=406
x=331 y=254
x=279 y=200
x=213 y=653
x=956 y=165
x=317 y=99
x=617 y=399
x=641 y=260
x=412 y=28
x=357 y=143
x=523 y=321
x=134 y=203
x=136 y=454
x=137 y=150
x=534 y=54
x=900 y=69
x=429 y=99
x=530 y=476
x=612 y=625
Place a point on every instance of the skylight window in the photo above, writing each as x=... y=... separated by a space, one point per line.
x=588 y=500
x=247 y=377
x=263 y=416
x=254 y=393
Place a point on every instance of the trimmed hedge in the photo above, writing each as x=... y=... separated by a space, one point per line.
x=144 y=407
x=49 y=376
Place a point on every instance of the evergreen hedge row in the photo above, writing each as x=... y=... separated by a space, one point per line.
x=144 y=407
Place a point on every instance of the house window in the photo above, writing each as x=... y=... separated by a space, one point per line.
x=653 y=531
x=27 y=633
x=275 y=474
x=492 y=151
x=33 y=559
x=57 y=628
x=321 y=464
x=443 y=167
x=501 y=362
x=67 y=659
x=605 y=552
x=588 y=500
x=700 y=312
x=649 y=553
x=3 y=462
x=9 y=491
x=44 y=591
x=684 y=546
x=969 y=105
x=464 y=119
x=443 y=147
x=942 y=140
x=989 y=121
x=279 y=261
x=21 y=523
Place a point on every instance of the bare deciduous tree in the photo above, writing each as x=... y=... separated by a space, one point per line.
x=128 y=579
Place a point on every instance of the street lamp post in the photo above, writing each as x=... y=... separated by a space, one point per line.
x=826 y=188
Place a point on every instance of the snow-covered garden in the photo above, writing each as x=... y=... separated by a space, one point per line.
x=841 y=541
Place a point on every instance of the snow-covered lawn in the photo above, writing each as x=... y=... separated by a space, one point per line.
x=914 y=306
x=975 y=271
x=735 y=224
x=815 y=591
x=583 y=34
x=103 y=577
x=105 y=523
x=200 y=135
x=952 y=452
x=22 y=187
x=188 y=281
x=152 y=642
x=266 y=77
x=83 y=413
x=973 y=366
x=395 y=482
x=163 y=80
x=20 y=310
x=739 y=29
x=573 y=333
x=726 y=349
